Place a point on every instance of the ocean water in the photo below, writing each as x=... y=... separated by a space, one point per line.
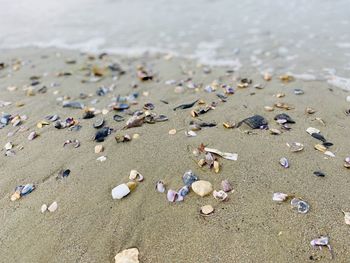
x=310 y=38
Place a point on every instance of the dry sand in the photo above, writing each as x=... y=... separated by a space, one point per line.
x=89 y=226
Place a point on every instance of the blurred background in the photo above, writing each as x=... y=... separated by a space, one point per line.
x=296 y=35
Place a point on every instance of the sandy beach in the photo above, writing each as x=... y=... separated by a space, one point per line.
x=90 y=226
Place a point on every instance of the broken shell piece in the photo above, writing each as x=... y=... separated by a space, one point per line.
x=101 y=159
x=130 y=255
x=120 y=191
x=226 y=186
x=310 y=110
x=346 y=217
x=216 y=166
x=8 y=146
x=75 y=143
x=32 y=136
x=284 y=162
x=131 y=185
x=135 y=175
x=228 y=156
x=202 y=188
x=320 y=148
x=99 y=148
x=295 y=146
x=190 y=134
x=269 y=108
x=229 y=125
x=160 y=186
x=43 y=208
x=312 y=130
x=220 y=195
x=172 y=195
x=279 y=197
x=189 y=178
x=206 y=210
x=53 y=207
x=172 y=132
x=275 y=131
x=329 y=153
x=41 y=124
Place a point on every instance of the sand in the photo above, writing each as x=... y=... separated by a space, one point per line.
x=89 y=226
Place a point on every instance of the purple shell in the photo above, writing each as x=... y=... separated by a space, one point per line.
x=172 y=195
x=226 y=186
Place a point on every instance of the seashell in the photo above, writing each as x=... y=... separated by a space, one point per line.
x=319 y=174
x=312 y=130
x=122 y=138
x=279 y=197
x=101 y=158
x=102 y=134
x=63 y=173
x=347 y=217
x=52 y=118
x=330 y=154
x=284 y=117
x=32 y=136
x=269 y=108
x=189 y=178
x=41 y=124
x=15 y=196
x=275 y=131
x=229 y=125
x=135 y=175
x=118 y=118
x=310 y=110
x=88 y=115
x=254 y=122
x=320 y=148
x=319 y=136
x=190 y=134
x=284 y=162
x=161 y=118
x=220 y=195
x=72 y=104
x=283 y=105
x=99 y=148
x=131 y=185
x=202 y=188
x=172 y=195
x=120 y=191
x=206 y=210
x=160 y=186
x=184 y=191
x=172 y=132
x=295 y=146
x=43 y=208
x=121 y=106
x=130 y=255
x=216 y=166
x=322 y=241
x=10 y=153
x=226 y=186
x=298 y=92
x=26 y=189
x=53 y=207
x=99 y=123
x=327 y=144
x=8 y=146
x=301 y=205
x=149 y=106
x=280 y=95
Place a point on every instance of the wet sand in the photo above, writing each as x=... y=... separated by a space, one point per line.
x=89 y=226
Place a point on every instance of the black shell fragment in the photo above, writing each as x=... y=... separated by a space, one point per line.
x=318 y=137
x=185 y=106
x=319 y=174
x=285 y=117
x=254 y=122
x=118 y=118
x=102 y=134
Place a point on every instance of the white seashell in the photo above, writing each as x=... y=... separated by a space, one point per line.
x=53 y=207
x=190 y=134
x=220 y=195
x=328 y=153
x=43 y=208
x=347 y=217
x=101 y=158
x=311 y=130
x=202 y=188
x=348 y=98
x=206 y=210
x=120 y=191
x=135 y=175
x=130 y=255
x=99 y=148
x=32 y=136
x=160 y=186
x=279 y=197
x=8 y=146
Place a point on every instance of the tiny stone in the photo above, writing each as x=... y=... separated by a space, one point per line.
x=99 y=148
